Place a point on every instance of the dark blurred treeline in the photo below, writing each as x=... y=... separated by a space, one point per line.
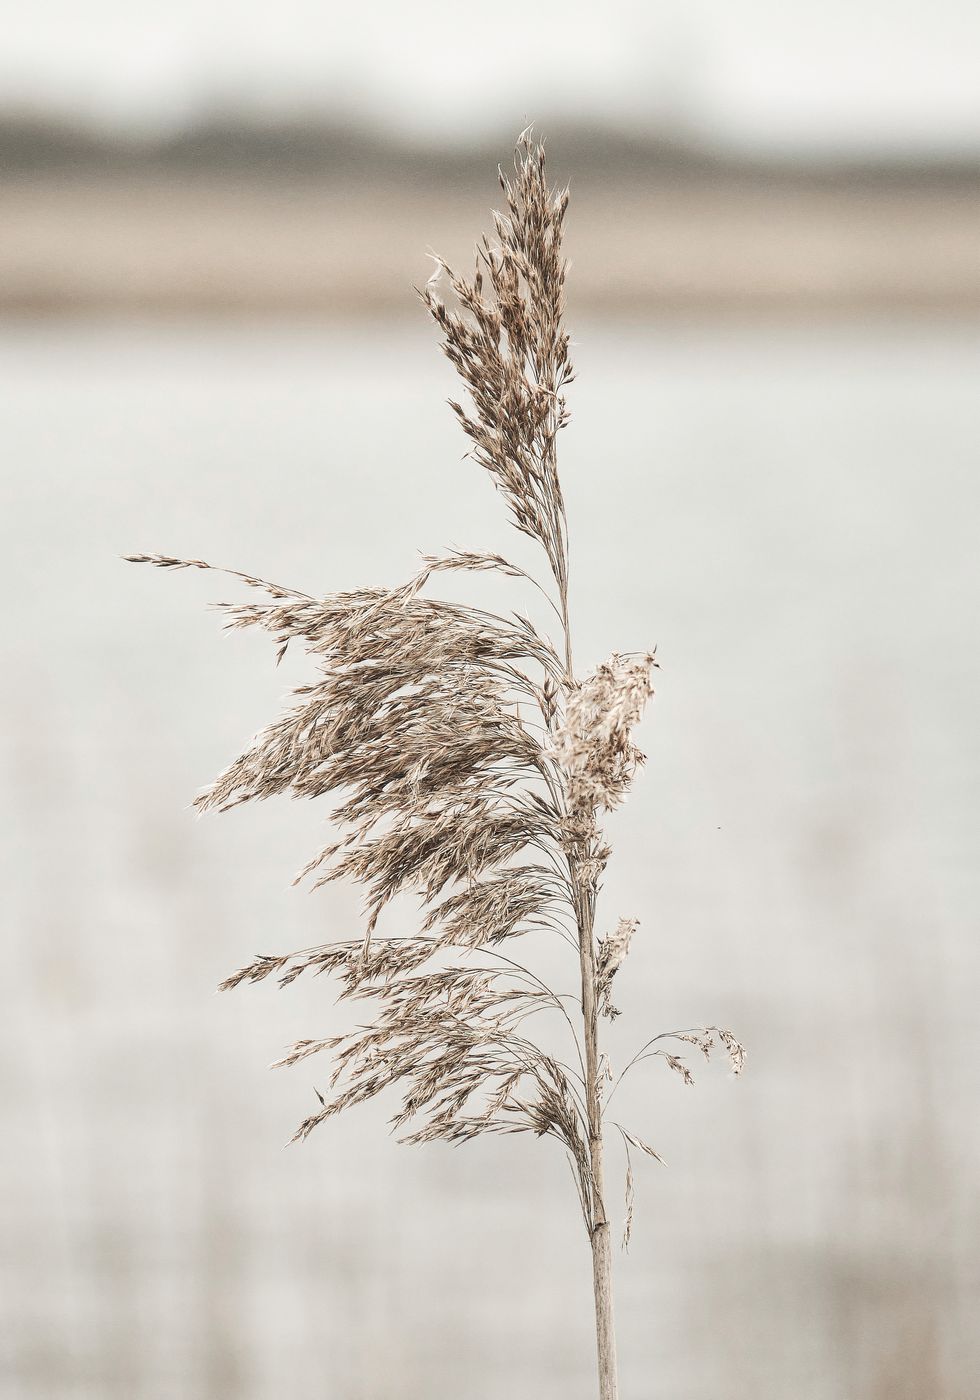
x=307 y=148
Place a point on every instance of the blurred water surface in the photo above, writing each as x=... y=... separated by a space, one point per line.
x=791 y=515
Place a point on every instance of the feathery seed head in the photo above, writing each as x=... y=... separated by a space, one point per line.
x=422 y=724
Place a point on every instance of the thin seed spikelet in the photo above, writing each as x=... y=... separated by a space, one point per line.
x=464 y=762
x=611 y=956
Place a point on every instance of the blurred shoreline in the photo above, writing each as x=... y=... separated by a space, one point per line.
x=245 y=219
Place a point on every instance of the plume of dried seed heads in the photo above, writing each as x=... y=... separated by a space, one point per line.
x=415 y=725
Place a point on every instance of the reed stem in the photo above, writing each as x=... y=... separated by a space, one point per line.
x=601 y=1246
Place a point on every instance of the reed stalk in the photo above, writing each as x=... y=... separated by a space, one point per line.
x=466 y=761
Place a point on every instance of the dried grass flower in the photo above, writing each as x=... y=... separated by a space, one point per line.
x=466 y=763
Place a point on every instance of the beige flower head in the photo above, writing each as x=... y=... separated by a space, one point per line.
x=593 y=744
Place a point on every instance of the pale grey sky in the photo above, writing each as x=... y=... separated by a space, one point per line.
x=841 y=74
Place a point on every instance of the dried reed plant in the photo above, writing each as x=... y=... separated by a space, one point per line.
x=419 y=725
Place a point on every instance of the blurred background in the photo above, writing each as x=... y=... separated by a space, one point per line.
x=213 y=218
